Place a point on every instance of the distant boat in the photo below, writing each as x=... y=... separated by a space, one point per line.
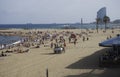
x=68 y=27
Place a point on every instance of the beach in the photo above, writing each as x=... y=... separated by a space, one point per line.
x=79 y=60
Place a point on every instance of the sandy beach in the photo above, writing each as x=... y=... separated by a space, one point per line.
x=80 y=60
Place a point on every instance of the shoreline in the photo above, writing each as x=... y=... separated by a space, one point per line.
x=7 y=43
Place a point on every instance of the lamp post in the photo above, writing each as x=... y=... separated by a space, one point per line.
x=81 y=24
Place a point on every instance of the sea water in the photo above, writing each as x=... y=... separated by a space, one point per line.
x=54 y=26
x=6 y=40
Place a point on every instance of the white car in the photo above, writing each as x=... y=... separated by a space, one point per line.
x=59 y=49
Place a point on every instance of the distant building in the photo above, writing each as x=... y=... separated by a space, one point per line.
x=101 y=13
x=117 y=21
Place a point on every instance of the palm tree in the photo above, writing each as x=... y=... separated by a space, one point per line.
x=97 y=22
x=106 y=19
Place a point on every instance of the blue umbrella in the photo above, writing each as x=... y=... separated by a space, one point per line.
x=111 y=42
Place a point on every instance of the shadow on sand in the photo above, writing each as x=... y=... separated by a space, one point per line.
x=92 y=62
x=47 y=53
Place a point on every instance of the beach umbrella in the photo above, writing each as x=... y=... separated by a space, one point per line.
x=73 y=36
x=111 y=42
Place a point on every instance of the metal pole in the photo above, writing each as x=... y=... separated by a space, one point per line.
x=47 y=72
x=81 y=24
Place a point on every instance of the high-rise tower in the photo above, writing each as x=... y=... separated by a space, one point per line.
x=101 y=13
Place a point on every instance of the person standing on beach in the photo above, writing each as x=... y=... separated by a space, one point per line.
x=87 y=38
x=52 y=44
x=69 y=39
x=83 y=38
x=64 y=44
x=56 y=40
x=75 y=41
x=110 y=36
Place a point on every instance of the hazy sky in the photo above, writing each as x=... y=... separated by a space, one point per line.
x=55 y=11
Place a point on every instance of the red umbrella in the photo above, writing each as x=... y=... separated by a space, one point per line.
x=73 y=36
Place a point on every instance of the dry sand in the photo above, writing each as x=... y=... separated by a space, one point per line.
x=78 y=61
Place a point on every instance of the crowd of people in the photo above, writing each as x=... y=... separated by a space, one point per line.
x=47 y=38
